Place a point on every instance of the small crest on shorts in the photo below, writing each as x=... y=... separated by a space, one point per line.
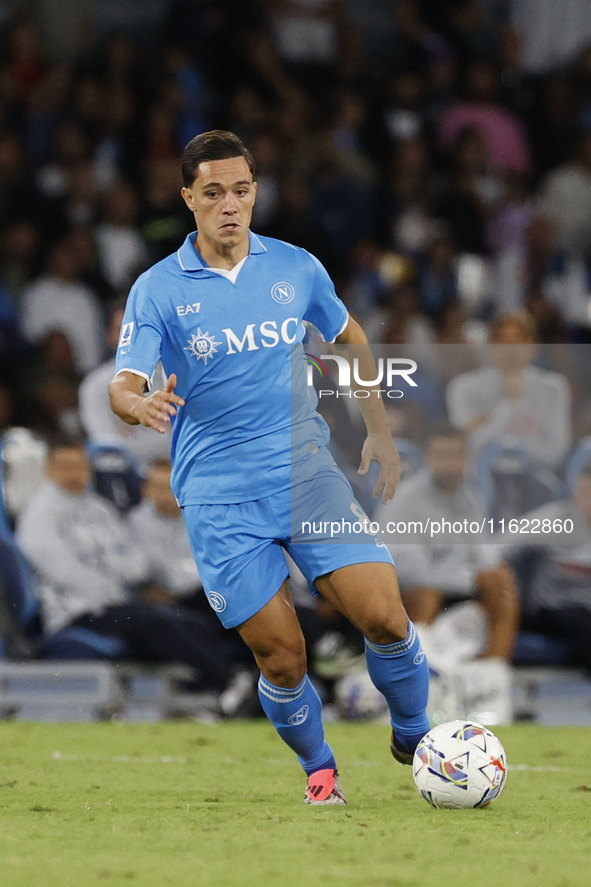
x=216 y=601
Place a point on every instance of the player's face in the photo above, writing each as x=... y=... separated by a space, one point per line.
x=221 y=198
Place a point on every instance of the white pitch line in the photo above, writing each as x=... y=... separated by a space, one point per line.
x=534 y=769
x=166 y=759
x=118 y=759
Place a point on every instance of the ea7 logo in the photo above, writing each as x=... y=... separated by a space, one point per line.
x=126 y=333
x=283 y=292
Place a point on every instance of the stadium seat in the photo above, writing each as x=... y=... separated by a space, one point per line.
x=512 y=483
x=116 y=475
x=532 y=648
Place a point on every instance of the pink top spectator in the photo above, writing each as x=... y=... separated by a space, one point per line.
x=505 y=137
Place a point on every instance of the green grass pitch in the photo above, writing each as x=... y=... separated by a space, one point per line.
x=194 y=805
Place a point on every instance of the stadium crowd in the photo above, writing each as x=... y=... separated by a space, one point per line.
x=436 y=157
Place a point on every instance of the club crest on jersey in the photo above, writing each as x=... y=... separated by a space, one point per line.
x=283 y=292
x=202 y=345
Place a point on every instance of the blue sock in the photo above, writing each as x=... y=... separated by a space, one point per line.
x=297 y=716
x=401 y=673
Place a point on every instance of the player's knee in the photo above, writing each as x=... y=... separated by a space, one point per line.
x=284 y=665
x=386 y=627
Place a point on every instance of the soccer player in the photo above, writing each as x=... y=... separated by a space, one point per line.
x=224 y=314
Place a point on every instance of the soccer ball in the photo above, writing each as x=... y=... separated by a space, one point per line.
x=459 y=764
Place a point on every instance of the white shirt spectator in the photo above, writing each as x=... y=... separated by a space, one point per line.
x=82 y=552
x=122 y=252
x=164 y=544
x=567 y=290
x=51 y=303
x=539 y=421
x=552 y=33
x=102 y=426
x=565 y=198
x=562 y=577
x=306 y=31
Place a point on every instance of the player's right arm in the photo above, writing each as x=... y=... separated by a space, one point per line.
x=128 y=401
x=139 y=349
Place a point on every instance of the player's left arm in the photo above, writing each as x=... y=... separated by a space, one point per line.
x=378 y=445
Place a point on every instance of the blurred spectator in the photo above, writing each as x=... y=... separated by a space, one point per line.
x=100 y=423
x=504 y=135
x=306 y=35
x=432 y=573
x=438 y=285
x=6 y=408
x=122 y=251
x=164 y=222
x=552 y=123
x=543 y=270
x=510 y=216
x=159 y=531
x=83 y=244
x=404 y=111
x=550 y=33
x=343 y=201
x=565 y=198
x=474 y=190
x=512 y=401
x=69 y=149
x=296 y=222
x=87 y=566
x=266 y=153
x=58 y=300
x=51 y=386
x=19 y=246
x=24 y=61
x=404 y=323
x=18 y=197
x=559 y=584
x=365 y=289
x=408 y=201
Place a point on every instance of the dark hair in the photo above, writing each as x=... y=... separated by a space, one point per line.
x=219 y=144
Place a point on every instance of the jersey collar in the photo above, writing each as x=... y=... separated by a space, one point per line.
x=190 y=260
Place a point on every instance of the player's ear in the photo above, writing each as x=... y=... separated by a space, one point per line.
x=187 y=196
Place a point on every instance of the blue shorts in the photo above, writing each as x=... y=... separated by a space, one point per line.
x=239 y=548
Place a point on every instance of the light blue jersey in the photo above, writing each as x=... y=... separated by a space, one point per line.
x=230 y=344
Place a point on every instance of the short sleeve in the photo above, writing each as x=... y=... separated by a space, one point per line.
x=325 y=310
x=140 y=338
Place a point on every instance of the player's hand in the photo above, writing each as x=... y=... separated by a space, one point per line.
x=380 y=447
x=155 y=410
